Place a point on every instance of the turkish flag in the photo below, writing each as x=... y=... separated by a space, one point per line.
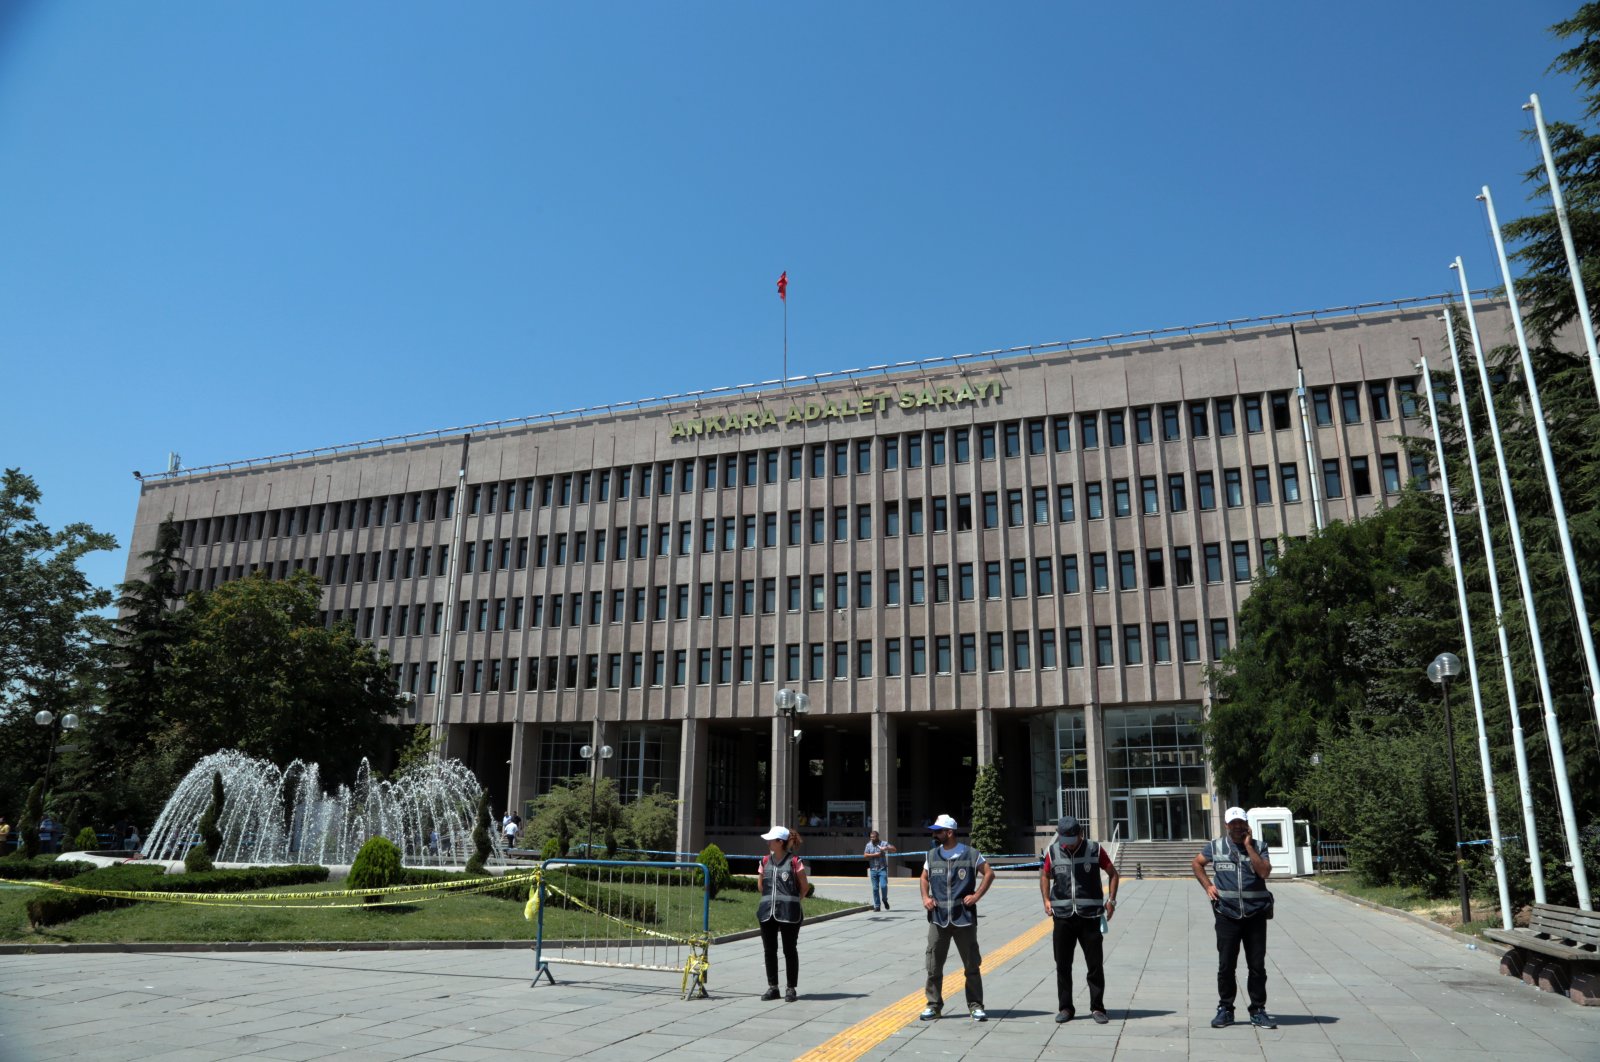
x=783 y=286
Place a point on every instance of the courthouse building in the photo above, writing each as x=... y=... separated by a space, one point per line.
x=1025 y=557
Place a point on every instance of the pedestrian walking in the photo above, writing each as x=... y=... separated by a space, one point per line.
x=1243 y=907
x=1069 y=881
x=954 y=878
x=783 y=888
x=878 y=869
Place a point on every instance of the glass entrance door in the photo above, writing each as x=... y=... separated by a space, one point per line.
x=1160 y=815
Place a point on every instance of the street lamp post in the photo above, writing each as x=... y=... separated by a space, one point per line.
x=1445 y=667
x=791 y=703
x=593 y=755
x=45 y=717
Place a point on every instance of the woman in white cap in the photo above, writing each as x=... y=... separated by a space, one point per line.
x=783 y=886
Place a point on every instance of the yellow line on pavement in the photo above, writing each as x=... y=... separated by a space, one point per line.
x=871 y=1031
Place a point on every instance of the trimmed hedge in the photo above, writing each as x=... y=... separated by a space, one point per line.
x=53 y=908
x=42 y=868
x=625 y=906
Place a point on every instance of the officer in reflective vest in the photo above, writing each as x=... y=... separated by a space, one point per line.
x=954 y=878
x=1069 y=881
x=783 y=885
x=1242 y=905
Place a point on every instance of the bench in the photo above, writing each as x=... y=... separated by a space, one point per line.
x=1559 y=951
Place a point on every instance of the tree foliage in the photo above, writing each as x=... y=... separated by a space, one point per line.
x=651 y=822
x=988 y=811
x=377 y=866
x=477 y=863
x=563 y=813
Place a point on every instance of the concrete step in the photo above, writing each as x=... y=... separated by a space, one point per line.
x=1157 y=859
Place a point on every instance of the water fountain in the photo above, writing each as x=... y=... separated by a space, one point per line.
x=283 y=816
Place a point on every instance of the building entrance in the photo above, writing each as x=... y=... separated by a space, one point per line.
x=1167 y=815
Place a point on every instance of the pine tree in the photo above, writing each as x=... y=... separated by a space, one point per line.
x=988 y=812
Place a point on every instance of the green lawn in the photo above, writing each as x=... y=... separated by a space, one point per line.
x=1445 y=910
x=450 y=917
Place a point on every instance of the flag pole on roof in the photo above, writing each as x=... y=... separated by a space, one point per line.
x=783 y=297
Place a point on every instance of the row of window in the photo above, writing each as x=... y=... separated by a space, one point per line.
x=843 y=522
x=897 y=657
x=956 y=445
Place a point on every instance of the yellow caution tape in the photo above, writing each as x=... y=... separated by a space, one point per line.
x=402 y=893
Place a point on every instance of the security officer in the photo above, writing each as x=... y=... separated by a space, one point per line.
x=779 y=914
x=1069 y=882
x=954 y=878
x=1243 y=905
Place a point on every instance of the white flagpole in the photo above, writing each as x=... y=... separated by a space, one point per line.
x=1558 y=507
x=1472 y=653
x=1530 y=826
x=1552 y=727
x=1573 y=268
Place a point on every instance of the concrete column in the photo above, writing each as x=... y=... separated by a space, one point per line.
x=1099 y=794
x=983 y=722
x=883 y=805
x=692 y=748
x=782 y=760
x=524 y=781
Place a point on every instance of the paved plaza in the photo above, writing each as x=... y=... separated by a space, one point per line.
x=1345 y=982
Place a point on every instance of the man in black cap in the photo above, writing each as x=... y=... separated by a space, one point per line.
x=1069 y=881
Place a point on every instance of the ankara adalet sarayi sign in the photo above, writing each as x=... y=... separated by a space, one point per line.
x=874 y=405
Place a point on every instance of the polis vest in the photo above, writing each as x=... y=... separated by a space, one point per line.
x=949 y=881
x=1075 y=889
x=780 y=891
x=1240 y=891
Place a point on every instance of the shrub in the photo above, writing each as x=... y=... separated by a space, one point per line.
x=197 y=860
x=54 y=908
x=551 y=849
x=377 y=866
x=478 y=864
x=28 y=824
x=87 y=840
x=718 y=876
x=651 y=822
x=48 y=868
x=988 y=812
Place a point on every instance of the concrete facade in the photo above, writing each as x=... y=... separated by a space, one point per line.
x=919 y=549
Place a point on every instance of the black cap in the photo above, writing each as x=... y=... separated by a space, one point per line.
x=1068 y=825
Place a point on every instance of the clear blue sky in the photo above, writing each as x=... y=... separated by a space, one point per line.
x=238 y=229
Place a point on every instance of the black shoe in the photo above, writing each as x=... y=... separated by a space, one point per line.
x=790 y=996
x=770 y=994
x=875 y=908
x=1100 y=1017
x=1262 y=1020
x=1063 y=1016
x=1223 y=1019
x=886 y=905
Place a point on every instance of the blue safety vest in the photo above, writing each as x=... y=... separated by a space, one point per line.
x=780 y=891
x=950 y=879
x=1241 y=892
x=1075 y=888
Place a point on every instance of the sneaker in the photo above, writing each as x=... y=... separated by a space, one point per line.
x=1262 y=1020
x=770 y=994
x=886 y=905
x=1063 y=1016
x=1223 y=1019
x=877 y=908
x=930 y=1012
x=1100 y=1017
x=790 y=996
x=978 y=1013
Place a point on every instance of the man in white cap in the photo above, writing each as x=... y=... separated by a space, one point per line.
x=1243 y=905
x=1069 y=881
x=954 y=878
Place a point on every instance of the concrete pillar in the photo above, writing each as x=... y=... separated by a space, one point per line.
x=692 y=748
x=921 y=793
x=983 y=722
x=1099 y=795
x=523 y=785
x=884 y=803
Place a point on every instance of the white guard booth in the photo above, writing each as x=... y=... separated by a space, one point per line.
x=1276 y=829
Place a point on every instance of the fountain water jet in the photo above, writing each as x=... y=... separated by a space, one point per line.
x=273 y=816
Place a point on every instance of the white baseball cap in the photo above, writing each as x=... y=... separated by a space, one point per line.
x=943 y=822
x=1235 y=815
x=777 y=833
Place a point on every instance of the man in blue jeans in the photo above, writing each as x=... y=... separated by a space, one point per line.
x=878 y=870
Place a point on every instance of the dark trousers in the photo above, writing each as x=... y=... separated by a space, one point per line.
x=1252 y=933
x=790 y=931
x=1084 y=932
x=966 y=939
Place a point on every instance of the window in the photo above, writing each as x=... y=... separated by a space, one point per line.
x=1132 y=646
x=1019 y=578
x=1219 y=638
x=1041 y=505
x=1225 y=424
x=1213 y=555
x=919 y=655
x=991 y=509
x=796 y=459
x=991 y=579
x=964 y=585
x=1116 y=435
x=1020 y=655
x=1035 y=436
x=1014 y=511
x=1103 y=654
x=1066 y=512
x=913 y=451
x=1269 y=555
x=1150 y=495
x=1189 y=637
x=1099 y=577
x=1206 y=486
x=1171 y=425
x=1407 y=390
x=1289 y=481
x=1332 y=485
x=1127 y=570
x=863 y=659
x=986 y=442
x=1261 y=478
x=997 y=651
x=1322 y=406
x=864 y=456
x=1043 y=584
x=1252 y=414
x=1062 y=427
x=1012 y=437
x=1155 y=569
x=1160 y=643
x=864 y=590
x=1390 y=463
x=891 y=519
x=1142 y=431
x=841 y=660
x=1419 y=472
x=1047 y=649
x=891 y=657
x=1241 y=561
x=1089 y=431
x=891 y=587
x=1350 y=403
x=1069 y=573
x=1378 y=399
x=936 y=447
x=1122 y=498
x=891 y=453
x=1074 y=644
x=961 y=442
x=1233 y=486
x=1360 y=477
x=914 y=516
x=1280 y=410
x=1199 y=425
x=817 y=654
